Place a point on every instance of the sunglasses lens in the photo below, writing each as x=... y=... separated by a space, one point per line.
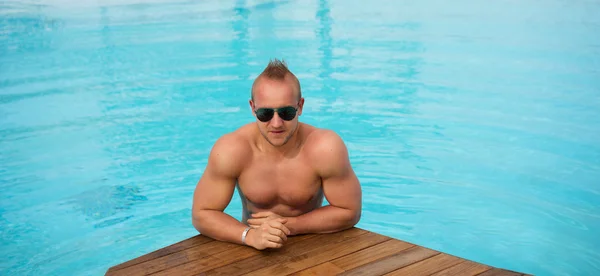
x=264 y=114
x=287 y=113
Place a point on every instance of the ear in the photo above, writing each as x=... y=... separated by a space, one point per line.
x=300 y=106
x=251 y=105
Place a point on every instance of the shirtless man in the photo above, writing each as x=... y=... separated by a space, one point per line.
x=282 y=169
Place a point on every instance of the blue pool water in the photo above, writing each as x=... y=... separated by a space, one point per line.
x=474 y=126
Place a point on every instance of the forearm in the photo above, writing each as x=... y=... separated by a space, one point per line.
x=218 y=225
x=326 y=219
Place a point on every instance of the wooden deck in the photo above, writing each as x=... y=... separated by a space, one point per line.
x=351 y=252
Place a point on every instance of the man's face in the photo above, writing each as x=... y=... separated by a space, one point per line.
x=273 y=106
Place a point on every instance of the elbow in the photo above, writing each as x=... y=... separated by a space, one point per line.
x=197 y=221
x=353 y=218
x=196 y=225
x=356 y=215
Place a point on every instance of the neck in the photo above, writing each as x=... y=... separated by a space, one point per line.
x=289 y=147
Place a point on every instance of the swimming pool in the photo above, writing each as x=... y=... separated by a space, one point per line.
x=474 y=127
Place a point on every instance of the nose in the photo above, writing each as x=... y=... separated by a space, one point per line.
x=276 y=121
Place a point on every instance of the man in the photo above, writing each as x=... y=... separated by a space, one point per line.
x=282 y=169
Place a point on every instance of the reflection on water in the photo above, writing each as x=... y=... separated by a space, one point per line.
x=107 y=202
x=471 y=133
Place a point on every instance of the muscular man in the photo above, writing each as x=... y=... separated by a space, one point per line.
x=282 y=169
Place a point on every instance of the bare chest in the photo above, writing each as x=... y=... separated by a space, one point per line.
x=292 y=184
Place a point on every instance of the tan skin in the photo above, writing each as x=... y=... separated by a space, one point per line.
x=282 y=169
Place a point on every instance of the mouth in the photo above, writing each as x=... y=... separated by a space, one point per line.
x=277 y=131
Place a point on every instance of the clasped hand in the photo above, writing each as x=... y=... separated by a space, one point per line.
x=268 y=230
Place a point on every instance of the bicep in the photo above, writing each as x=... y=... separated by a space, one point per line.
x=341 y=186
x=215 y=188
x=342 y=189
x=213 y=191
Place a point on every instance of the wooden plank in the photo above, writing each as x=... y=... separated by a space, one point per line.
x=428 y=266
x=182 y=245
x=200 y=265
x=351 y=252
x=322 y=269
x=202 y=254
x=320 y=255
x=371 y=254
x=499 y=272
x=226 y=257
x=286 y=253
x=465 y=268
x=393 y=262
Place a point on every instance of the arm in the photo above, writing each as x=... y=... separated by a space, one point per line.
x=341 y=188
x=215 y=190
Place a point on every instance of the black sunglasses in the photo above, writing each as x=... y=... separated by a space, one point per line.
x=266 y=114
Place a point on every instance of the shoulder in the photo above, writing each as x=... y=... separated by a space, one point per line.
x=326 y=150
x=229 y=153
x=320 y=141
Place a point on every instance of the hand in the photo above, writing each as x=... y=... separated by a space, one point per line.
x=270 y=234
x=261 y=217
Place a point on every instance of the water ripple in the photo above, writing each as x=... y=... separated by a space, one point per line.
x=470 y=133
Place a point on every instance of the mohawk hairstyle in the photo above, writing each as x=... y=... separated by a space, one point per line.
x=278 y=70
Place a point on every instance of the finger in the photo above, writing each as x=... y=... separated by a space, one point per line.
x=275 y=238
x=271 y=244
x=282 y=232
x=277 y=224
x=285 y=229
x=255 y=221
x=260 y=221
x=279 y=233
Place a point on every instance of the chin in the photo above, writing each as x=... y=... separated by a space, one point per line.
x=277 y=142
